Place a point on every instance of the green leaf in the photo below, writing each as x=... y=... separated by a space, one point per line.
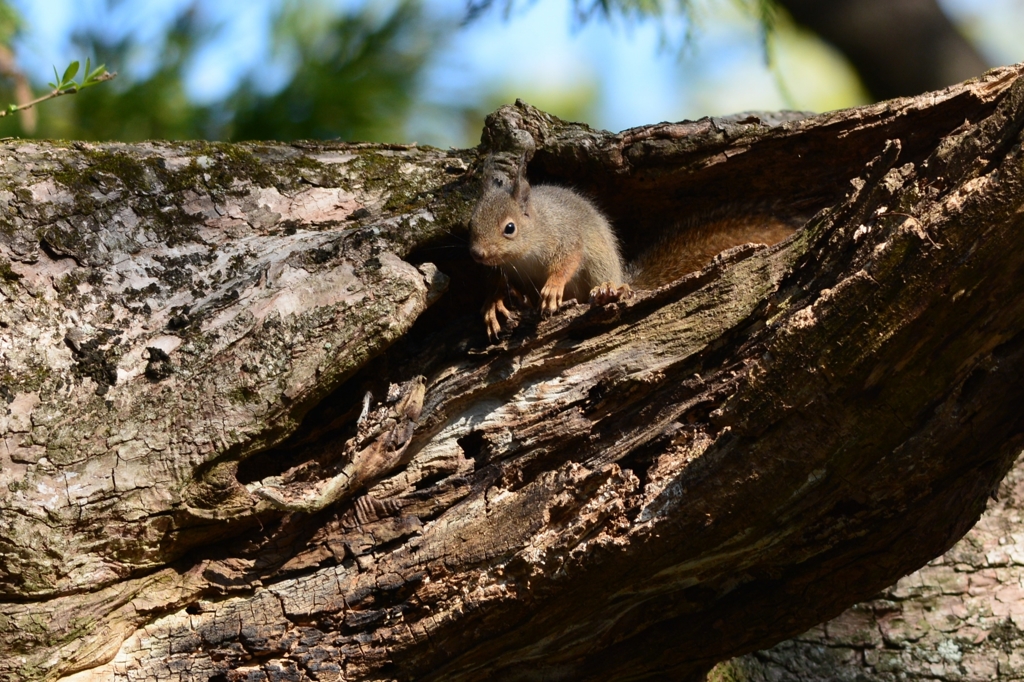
x=70 y=72
x=56 y=77
x=91 y=77
x=12 y=107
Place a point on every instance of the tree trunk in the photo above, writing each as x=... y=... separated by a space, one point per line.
x=961 y=617
x=899 y=47
x=238 y=444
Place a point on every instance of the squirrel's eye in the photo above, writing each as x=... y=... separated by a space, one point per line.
x=510 y=229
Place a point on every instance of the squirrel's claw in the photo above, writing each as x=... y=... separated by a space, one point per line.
x=609 y=292
x=491 y=311
x=551 y=297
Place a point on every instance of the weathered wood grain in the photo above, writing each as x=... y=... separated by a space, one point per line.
x=631 y=492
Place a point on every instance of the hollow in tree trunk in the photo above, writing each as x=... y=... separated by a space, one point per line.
x=254 y=428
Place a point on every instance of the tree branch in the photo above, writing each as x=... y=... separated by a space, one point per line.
x=189 y=332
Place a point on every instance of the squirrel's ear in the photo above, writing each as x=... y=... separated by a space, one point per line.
x=521 y=187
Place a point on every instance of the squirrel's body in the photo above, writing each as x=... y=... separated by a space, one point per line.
x=561 y=228
x=550 y=243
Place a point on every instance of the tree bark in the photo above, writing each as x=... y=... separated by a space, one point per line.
x=961 y=617
x=254 y=429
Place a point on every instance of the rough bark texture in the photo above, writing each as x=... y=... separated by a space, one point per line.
x=195 y=484
x=961 y=617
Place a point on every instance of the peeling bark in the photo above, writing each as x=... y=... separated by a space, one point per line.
x=196 y=486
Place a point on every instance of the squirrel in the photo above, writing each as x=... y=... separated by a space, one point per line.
x=550 y=243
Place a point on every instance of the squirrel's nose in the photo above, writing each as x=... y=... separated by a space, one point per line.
x=478 y=253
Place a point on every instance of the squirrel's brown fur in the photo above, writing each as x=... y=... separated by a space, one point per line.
x=550 y=243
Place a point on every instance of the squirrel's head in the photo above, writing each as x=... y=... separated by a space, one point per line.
x=496 y=228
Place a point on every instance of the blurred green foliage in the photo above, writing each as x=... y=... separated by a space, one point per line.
x=355 y=75
x=609 y=10
x=10 y=23
x=357 y=81
x=350 y=73
x=155 y=107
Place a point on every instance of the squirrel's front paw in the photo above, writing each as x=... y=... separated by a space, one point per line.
x=491 y=311
x=551 y=298
x=609 y=292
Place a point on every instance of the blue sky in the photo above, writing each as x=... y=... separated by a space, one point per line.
x=537 y=53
